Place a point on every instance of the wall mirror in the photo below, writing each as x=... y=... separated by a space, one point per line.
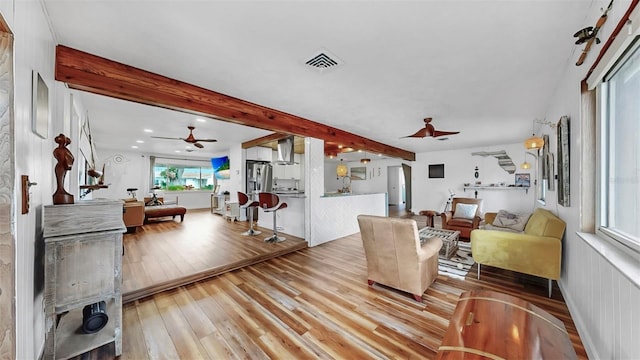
x=563 y=161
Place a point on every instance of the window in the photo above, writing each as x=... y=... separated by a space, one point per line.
x=619 y=162
x=177 y=175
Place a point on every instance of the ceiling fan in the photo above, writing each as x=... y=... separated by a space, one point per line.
x=429 y=130
x=189 y=139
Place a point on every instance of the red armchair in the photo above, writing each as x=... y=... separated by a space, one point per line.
x=461 y=218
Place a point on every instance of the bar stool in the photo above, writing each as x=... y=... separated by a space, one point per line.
x=271 y=203
x=245 y=203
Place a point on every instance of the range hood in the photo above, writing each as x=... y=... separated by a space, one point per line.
x=285 y=151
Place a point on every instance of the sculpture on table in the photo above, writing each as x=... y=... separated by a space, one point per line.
x=65 y=162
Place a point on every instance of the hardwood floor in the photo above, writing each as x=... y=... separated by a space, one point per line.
x=166 y=254
x=313 y=303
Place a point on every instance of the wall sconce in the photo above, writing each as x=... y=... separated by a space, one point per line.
x=341 y=169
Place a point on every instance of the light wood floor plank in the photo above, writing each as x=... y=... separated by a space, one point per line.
x=157 y=338
x=314 y=303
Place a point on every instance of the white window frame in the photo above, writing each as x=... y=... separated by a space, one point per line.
x=621 y=241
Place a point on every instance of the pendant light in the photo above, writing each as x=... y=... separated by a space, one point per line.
x=534 y=142
x=365 y=159
x=341 y=169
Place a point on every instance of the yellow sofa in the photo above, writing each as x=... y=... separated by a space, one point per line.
x=536 y=251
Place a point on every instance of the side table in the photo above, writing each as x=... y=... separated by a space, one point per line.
x=430 y=214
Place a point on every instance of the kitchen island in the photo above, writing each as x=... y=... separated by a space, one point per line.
x=335 y=215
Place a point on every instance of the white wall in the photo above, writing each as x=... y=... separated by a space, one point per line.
x=602 y=300
x=376 y=181
x=34 y=50
x=125 y=170
x=459 y=168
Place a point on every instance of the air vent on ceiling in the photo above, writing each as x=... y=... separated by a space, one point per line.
x=323 y=60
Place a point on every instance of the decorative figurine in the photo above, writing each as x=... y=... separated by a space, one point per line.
x=65 y=162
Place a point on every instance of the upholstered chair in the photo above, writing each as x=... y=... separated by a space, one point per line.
x=395 y=257
x=465 y=215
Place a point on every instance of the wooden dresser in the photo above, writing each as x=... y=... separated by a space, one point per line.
x=491 y=325
x=83 y=266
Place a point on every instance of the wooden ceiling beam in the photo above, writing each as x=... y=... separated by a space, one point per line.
x=264 y=139
x=87 y=72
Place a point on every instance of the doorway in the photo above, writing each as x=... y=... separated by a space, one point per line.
x=399 y=189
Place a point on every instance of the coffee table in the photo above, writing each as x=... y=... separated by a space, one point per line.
x=449 y=240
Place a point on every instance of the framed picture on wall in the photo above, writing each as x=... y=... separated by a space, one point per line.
x=523 y=180
x=358 y=173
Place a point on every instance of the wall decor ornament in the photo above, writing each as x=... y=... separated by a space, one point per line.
x=39 y=106
x=563 y=162
x=65 y=161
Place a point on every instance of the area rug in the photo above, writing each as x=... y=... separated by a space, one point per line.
x=459 y=264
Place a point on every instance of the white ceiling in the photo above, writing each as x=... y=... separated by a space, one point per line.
x=485 y=68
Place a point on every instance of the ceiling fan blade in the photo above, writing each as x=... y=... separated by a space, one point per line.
x=198 y=145
x=166 y=138
x=443 y=133
x=206 y=140
x=419 y=134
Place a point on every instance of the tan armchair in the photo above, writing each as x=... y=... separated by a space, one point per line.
x=395 y=257
x=453 y=221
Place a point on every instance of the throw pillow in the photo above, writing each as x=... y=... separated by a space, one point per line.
x=465 y=211
x=505 y=219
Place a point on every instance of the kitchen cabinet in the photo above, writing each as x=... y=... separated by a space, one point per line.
x=259 y=153
x=83 y=268
x=288 y=171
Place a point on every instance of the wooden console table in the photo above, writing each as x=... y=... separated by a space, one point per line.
x=83 y=266
x=492 y=325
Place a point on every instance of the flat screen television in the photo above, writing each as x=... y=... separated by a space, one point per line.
x=436 y=171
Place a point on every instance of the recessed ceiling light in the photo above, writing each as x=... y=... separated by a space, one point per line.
x=177 y=151
x=200 y=120
x=379 y=154
x=148 y=130
x=360 y=150
x=140 y=141
x=134 y=146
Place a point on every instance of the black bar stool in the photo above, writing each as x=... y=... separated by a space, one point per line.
x=271 y=203
x=245 y=203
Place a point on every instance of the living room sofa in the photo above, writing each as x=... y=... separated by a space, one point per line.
x=535 y=251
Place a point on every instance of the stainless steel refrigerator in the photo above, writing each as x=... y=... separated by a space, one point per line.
x=259 y=179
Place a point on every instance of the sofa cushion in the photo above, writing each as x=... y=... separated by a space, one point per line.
x=457 y=222
x=465 y=211
x=498 y=228
x=508 y=220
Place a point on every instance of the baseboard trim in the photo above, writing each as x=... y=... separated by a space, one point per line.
x=583 y=331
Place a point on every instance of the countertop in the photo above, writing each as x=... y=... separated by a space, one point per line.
x=290 y=193
x=339 y=194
